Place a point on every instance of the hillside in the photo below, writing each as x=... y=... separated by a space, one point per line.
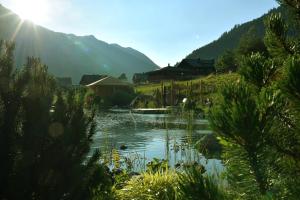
x=198 y=90
x=67 y=54
x=230 y=40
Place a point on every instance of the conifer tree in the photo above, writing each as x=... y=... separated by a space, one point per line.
x=226 y=62
x=45 y=137
x=258 y=117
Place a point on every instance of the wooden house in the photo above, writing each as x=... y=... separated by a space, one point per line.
x=108 y=86
x=198 y=66
x=186 y=70
x=88 y=79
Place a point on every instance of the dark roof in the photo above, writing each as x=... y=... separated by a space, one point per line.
x=167 y=70
x=109 y=81
x=197 y=63
x=64 y=81
x=88 y=79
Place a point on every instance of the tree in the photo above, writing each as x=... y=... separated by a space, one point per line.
x=11 y=89
x=250 y=43
x=45 y=137
x=226 y=62
x=257 y=118
x=123 y=77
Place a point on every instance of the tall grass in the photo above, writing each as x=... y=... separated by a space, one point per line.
x=212 y=80
x=159 y=185
x=194 y=184
x=171 y=185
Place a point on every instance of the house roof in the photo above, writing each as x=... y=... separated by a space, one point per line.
x=110 y=81
x=88 y=79
x=167 y=70
x=197 y=63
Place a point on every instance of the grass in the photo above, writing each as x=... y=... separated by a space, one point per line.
x=197 y=90
x=189 y=184
x=160 y=185
x=211 y=80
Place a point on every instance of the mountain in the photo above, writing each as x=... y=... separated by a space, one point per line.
x=68 y=54
x=230 y=40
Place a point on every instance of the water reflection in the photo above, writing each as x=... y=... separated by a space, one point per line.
x=169 y=137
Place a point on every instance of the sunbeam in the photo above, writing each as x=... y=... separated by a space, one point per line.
x=34 y=10
x=14 y=35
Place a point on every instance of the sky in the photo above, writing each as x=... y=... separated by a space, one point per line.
x=164 y=30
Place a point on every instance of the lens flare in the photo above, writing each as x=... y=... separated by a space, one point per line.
x=33 y=10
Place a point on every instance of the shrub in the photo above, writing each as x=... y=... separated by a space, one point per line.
x=194 y=185
x=191 y=184
x=121 y=98
x=151 y=186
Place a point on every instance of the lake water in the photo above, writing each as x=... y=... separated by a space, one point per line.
x=149 y=136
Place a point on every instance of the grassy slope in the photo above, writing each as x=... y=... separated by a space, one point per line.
x=212 y=80
x=210 y=86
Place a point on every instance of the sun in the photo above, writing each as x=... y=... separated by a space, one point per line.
x=33 y=10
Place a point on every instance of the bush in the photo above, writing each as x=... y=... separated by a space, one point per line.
x=151 y=186
x=187 y=185
x=194 y=185
x=121 y=98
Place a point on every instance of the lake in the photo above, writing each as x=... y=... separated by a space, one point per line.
x=148 y=136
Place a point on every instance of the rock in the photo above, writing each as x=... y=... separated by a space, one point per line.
x=123 y=147
x=209 y=146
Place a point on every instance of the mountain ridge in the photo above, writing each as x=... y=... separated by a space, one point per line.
x=229 y=40
x=69 y=54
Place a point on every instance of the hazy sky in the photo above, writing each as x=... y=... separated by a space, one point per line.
x=165 y=30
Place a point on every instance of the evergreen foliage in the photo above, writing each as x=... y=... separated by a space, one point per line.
x=226 y=62
x=230 y=40
x=45 y=137
x=123 y=77
x=251 y=42
x=45 y=134
x=258 y=70
x=257 y=118
x=194 y=185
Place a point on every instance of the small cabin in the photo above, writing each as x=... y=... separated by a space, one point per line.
x=186 y=70
x=198 y=66
x=88 y=79
x=108 y=86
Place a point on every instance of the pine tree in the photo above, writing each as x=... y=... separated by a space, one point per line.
x=257 y=119
x=45 y=137
x=11 y=89
x=250 y=43
x=226 y=62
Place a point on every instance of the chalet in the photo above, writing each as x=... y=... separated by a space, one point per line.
x=199 y=66
x=88 y=79
x=139 y=78
x=108 y=86
x=187 y=69
x=169 y=73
